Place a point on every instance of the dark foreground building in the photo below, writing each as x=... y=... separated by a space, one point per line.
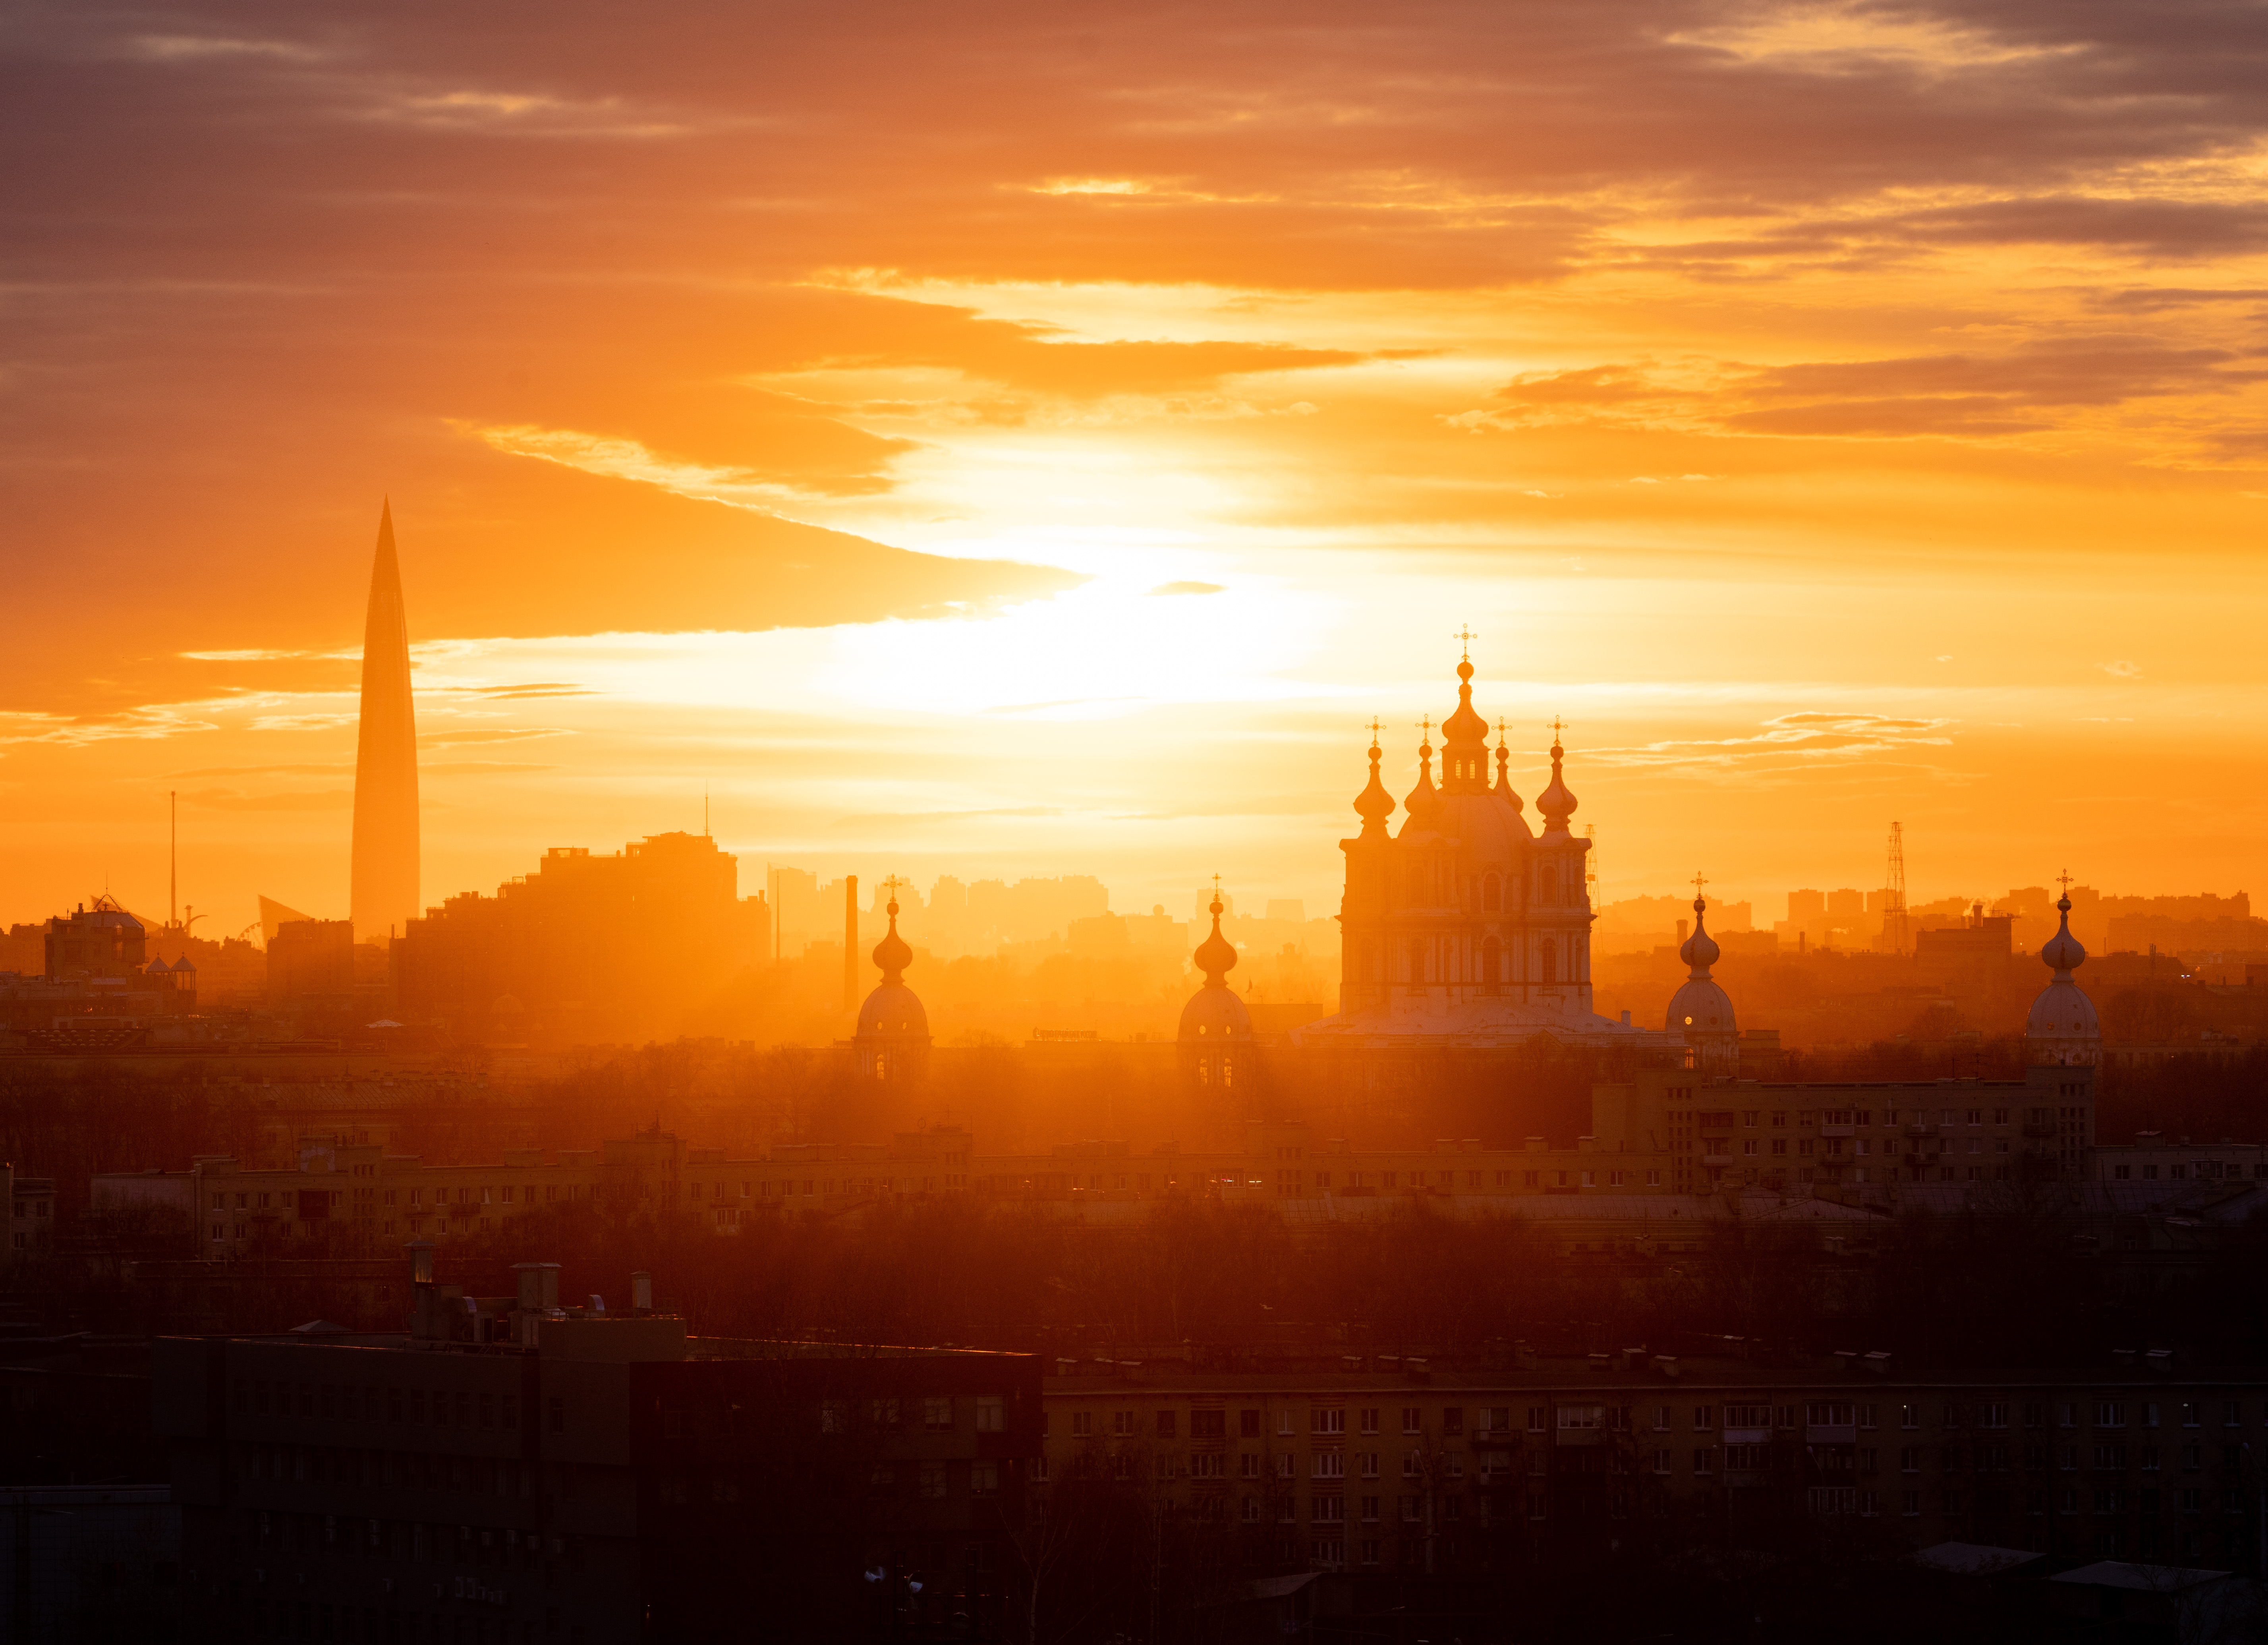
x=510 y=1472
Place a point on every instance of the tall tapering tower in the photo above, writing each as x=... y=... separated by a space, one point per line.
x=385 y=894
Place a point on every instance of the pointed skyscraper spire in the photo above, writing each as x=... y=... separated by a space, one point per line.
x=384 y=896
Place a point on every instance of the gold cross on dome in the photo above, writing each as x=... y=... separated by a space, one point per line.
x=2064 y=880
x=1374 y=727
x=1425 y=727
x=1465 y=636
x=1699 y=881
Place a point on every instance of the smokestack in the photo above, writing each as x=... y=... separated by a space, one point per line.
x=851 y=942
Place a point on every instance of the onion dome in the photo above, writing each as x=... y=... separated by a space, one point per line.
x=1421 y=802
x=1556 y=802
x=2062 y=953
x=1701 y=1012
x=2062 y=1027
x=891 y=953
x=1464 y=740
x=1214 y=1013
x=1700 y=950
x=893 y=1010
x=1374 y=805
x=1502 y=789
x=1216 y=955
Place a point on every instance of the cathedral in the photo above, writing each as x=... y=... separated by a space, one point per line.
x=1466 y=927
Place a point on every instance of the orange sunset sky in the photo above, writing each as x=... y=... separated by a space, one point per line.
x=1030 y=440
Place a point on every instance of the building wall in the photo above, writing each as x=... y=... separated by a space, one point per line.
x=369 y=1489
x=1789 y=1136
x=1365 y=1470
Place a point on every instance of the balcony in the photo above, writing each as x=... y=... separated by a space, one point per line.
x=1831 y=1434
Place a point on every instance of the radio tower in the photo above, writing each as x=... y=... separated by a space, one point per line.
x=1894 y=909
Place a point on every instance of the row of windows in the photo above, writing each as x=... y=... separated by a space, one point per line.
x=1857 y=1119
x=1325 y=1420
x=2205 y=1170
x=1328 y=1422
x=348 y=1402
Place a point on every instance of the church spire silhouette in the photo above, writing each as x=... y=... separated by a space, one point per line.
x=384 y=890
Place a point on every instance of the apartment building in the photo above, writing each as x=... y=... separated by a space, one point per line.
x=1404 y=1466
x=30 y=1203
x=1787 y=1135
x=509 y=1470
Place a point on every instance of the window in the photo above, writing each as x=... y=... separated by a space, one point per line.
x=1208 y=1425
x=1413 y=1419
x=936 y=1414
x=1453 y=1420
x=984 y=1478
x=1328 y=1466
x=1370 y=1421
x=1168 y=1422
x=992 y=1414
x=1320 y=1420
x=1121 y=1424
x=1247 y=1424
x=1082 y=1424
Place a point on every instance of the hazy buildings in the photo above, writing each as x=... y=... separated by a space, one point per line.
x=587 y=949
x=310 y=959
x=384 y=889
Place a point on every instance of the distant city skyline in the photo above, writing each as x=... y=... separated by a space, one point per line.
x=1817 y=471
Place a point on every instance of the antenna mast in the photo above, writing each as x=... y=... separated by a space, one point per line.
x=1894 y=897
x=172 y=860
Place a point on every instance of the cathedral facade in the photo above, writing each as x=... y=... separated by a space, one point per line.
x=1466 y=926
